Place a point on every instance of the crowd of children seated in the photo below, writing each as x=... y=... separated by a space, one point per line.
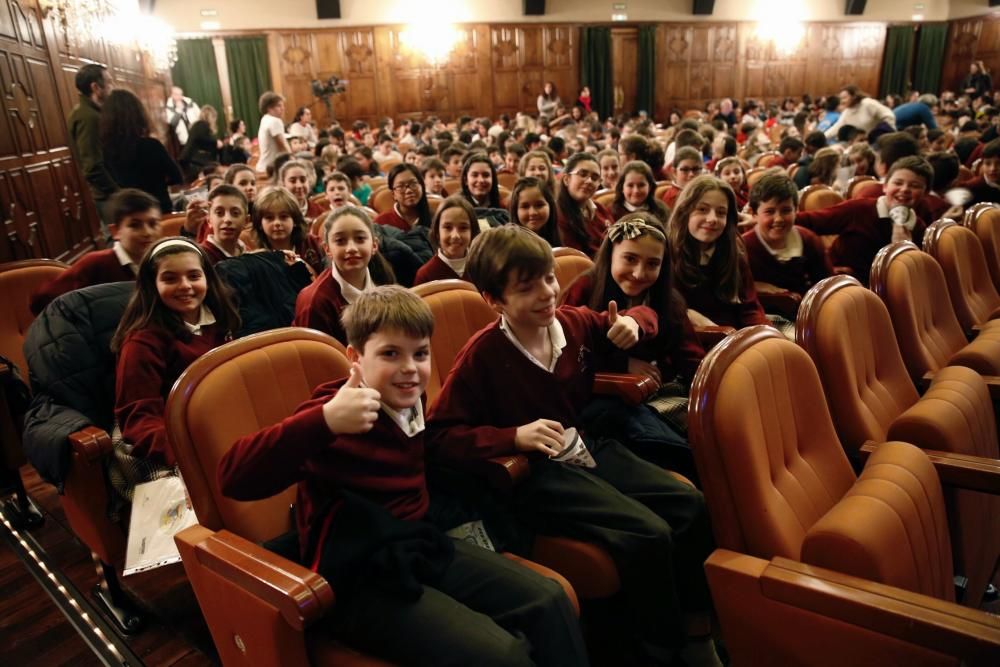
x=690 y=225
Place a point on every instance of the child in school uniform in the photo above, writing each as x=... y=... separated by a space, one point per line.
x=136 y=224
x=730 y=169
x=278 y=224
x=532 y=205
x=294 y=177
x=687 y=166
x=610 y=168
x=245 y=179
x=180 y=311
x=780 y=252
x=337 y=188
x=410 y=208
x=538 y=164
x=633 y=268
x=636 y=191
x=864 y=226
x=433 y=170
x=356 y=451
x=582 y=221
x=479 y=181
x=227 y=216
x=454 y=227
x=355 y=267
x=708 y=259
x=518 y=384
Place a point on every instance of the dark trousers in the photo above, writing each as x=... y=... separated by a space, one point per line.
x=485 y=610
x=655 y=527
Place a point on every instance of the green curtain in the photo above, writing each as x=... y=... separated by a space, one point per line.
x=595 y=68
x=196 y=72
x=645 y=97
x=897 y=61
x=249 y=77
x=932 y=40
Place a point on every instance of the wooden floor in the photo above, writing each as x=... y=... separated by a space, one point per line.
x=34 y=631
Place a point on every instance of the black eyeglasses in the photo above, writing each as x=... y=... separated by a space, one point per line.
x=587 y=176
x=690 y=170
x=412 y=186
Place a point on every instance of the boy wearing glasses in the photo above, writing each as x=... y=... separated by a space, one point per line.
x=687 y=165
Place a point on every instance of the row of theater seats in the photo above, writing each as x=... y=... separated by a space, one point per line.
x=773 y=469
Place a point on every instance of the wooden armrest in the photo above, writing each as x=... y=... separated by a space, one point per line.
x=91 y=442
x=710 y=336
x=783 y=303
x=300 y=595
x=502 y=473
x=910 y=617
x=633 y=389
x=957 y=470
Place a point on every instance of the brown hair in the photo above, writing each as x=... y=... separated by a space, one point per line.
x=454 y=201
x=145 y=310
x=773 y=184
x=378 y=266
x=268 y=100
x=685 y=251
x=917 y=165
x=550 y=230
x=498 y=253
x=386 y=308
x=276 y=199
x=824 y=165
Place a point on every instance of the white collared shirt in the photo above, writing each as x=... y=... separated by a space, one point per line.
x=204 y=319
x=882 y=207
x=410 y=422
x=349 y=291
x=124 y=259
x=556 y=336
x=240 y=246
x=456 y=265
x=633 y=209
x=792 y=249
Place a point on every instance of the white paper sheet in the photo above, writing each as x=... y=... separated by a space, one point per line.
x=574 y=450
x=160 y=510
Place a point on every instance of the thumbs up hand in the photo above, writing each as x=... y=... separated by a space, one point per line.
x=624 y=331
x=355 y=407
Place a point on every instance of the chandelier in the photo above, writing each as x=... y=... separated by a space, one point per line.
x=117 y=22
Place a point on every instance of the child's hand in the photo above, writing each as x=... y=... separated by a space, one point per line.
x=195 y=216
x=624 y=331
x=355 y=407
x=543 y=435
x=645 y=369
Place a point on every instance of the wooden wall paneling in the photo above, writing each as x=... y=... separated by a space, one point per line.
x=971 y=39
x=624 y=68
x=561 y=58
x=506 y=52
x=464 y=75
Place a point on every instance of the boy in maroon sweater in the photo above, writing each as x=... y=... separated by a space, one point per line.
x=359 y=443
x=136 y=224
x=864 y=226
x=518 y=385
x=227 y=216
x=781 y=253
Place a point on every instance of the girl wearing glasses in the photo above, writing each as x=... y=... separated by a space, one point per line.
x=410 y=208
x=687 y=166
x=582 y=222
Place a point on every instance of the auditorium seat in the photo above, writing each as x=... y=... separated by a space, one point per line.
x=769 y=159
x=856 y=186
x=507 y=179
x=434 y=202
x=381 y=199
x=814 y=197
x=321 y=200
x=846 y=331
x=258 y=605
x=18 y=280
x=604 y=197
x=913 y=288
x=661 y=188
x=984 y=220
x=754 y=175
x=570 y=263
x=376 y=183
x=961 y=257
x=798 y=578
x=171 y=224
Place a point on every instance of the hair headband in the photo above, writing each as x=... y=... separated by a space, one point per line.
x=630 y=228
x=174 y=243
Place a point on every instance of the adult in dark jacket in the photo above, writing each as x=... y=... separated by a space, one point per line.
x=133 y=157
x=203 y=144
x=72 y=371
x=979 y=82
x=94 y=84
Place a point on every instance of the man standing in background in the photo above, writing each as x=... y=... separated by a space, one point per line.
x=94 y=83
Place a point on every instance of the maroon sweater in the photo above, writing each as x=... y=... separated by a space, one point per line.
x=319 y=305
x=214 y=252
x=670 y=196
x=861 y=233
x=597 y=227
x=383 y=465
x=702 y=297
x=149 y=363
x=393 y=219
x=94 y=268
x=493 y=388
x=797 y=274
x=673 y=355
x=435 y=269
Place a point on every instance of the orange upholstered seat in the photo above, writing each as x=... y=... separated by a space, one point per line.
x=970 y=286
